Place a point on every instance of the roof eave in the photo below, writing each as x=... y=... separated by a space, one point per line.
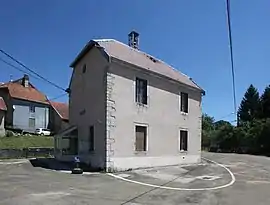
x=160 y=75
x=86 y=48
x=35 y=101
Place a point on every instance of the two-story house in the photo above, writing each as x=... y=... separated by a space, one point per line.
x=27 y=107
x=129 y=109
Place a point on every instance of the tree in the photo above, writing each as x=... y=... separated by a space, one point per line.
x=221 y=123
x=207 y=122
x=224 y=138
x=250 y=106
x=265 y=103
x=207 y=128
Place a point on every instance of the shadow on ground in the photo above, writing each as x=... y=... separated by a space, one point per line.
x=54 y=164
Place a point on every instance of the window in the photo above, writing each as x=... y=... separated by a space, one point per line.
x=32 y=108
x=141 y=91
x=140 y=144
x=91 y=138
x=183 y=140
x=32 y=122
x=84 y=68
x=184 y=102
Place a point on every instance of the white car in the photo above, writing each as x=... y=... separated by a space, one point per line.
x=43 y=131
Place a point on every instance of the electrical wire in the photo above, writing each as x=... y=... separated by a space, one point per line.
x=231 y=53
x=23 y=71
x=30 y=70
x=17 y=68
x=59 y=96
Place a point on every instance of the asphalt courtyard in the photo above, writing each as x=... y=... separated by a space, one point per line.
x=222 y=179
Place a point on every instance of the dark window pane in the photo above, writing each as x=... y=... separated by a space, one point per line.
x=84 y=68
x=183 y=140
x=184 y=102
x=91 y=139
x=141 y=91
x=32 y=108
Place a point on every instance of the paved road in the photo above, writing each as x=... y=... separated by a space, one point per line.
x=25 y=185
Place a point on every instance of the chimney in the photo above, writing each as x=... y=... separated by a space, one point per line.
x=25 y=81
x=133 y=39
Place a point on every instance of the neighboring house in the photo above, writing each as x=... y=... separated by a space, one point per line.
x=58 y=116
x=130 y=110
x=3 y=109
x=27 y=108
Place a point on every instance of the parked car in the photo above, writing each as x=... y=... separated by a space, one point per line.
x=43 y=131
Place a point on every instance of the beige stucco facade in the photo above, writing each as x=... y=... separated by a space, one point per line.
x=161 y=115
x=87 y=106
x=104 y=96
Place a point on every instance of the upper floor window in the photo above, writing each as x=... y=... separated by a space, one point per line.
x=141 y=91
x=184 y=102
x=84 y=68
x=32 y=108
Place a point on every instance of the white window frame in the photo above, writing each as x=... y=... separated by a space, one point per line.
x=147 y=136
x=179 y=105
x=32 y=109
x=179 y=139
x=134 y=90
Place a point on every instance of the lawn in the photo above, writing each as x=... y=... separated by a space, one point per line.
x=24 y=141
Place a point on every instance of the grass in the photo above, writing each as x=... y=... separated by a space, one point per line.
x=20 y=142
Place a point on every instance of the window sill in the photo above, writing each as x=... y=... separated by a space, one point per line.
x=184 y=113
x=142 y=105
x=183 y=152
x=142 y=153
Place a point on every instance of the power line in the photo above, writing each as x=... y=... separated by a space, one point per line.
x=23 y=71
x=59 y=96
x=30 y=70
x=231 y=54
x=17 y=68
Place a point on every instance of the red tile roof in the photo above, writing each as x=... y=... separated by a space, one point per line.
x=30 y=93
x=61 y=109
x=2 y=104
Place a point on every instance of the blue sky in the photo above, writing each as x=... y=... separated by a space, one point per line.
x=191 y=35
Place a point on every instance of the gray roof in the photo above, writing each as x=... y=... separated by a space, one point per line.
x=138 y=58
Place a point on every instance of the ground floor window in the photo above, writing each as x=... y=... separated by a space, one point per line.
x=91 y=138
x=183 y=140
x=140 y=138
x=32 y=122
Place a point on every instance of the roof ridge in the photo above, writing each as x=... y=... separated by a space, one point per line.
x=139 y=58
x=144 y=53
